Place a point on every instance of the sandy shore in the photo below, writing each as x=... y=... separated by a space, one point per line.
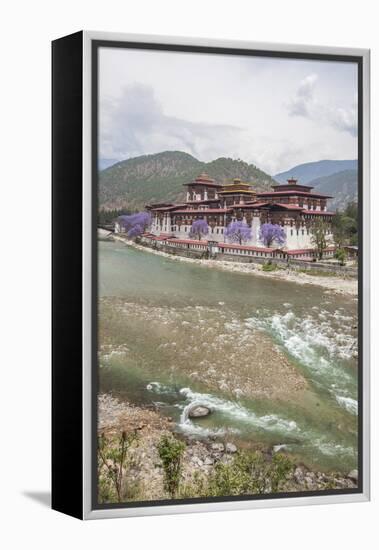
x=332 y=283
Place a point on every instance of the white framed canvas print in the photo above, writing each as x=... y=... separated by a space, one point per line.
x=210 y=275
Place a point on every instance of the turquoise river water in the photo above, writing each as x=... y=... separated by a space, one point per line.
x=175 y=333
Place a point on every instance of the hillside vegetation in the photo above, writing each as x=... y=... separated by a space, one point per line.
x=132 y=183
x=309 y=171
x=342 y=186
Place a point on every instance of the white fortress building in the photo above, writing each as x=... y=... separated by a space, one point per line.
x=293 y=206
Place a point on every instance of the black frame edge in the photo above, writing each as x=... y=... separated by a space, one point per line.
x=67 y=402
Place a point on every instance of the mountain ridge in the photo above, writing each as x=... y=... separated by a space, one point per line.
x=342 y=186
x=309 y=171
x=132 y=183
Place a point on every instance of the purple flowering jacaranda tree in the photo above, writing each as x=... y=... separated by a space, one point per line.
x=135 y=224
x=238 y=232
x=199 y=228
x=270 y=233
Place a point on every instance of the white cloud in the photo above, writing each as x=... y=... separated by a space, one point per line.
x=305 y=104
x=301 y=103
x=135 y=124
x=345 y=120
x=271 y=112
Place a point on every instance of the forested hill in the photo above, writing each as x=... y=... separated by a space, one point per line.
x=338 y=178
x=309 y=171
x=132 y=183
x=343 y=187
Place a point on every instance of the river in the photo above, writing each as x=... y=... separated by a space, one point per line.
x=276 y=362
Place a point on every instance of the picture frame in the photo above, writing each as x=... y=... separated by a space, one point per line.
x=76 y=129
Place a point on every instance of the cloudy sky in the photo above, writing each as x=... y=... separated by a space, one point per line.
x=275 y=113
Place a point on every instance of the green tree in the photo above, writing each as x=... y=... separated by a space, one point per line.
x=170 y=452
x=107 y=217
x=351 y=210
x=112 y=454
x=345 y=225
x=340 y=255
x=338 y=229
x=318 y=236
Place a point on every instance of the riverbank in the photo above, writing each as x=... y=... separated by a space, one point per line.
x=202 y=461
x=332 y=283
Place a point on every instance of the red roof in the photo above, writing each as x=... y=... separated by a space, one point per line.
x=205 y=211
x=204 y=182
x=287 y=206
x=291 y=184
x=310 y=250
x=250 y=205
x=204 y=179
x=167 y=208
x=187 y=241
x=161 y=237
x=204 y=201
x=262 y=204
x=243 y=247
x=300 y=251
x=318 y=212
x=294 y=193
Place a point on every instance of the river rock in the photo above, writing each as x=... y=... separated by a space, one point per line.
x=198 y=410
x=218 y=447
x=230 y=448
x=353 y=475
x=299 y=475
x=278 y=448
x=309 y=480
x=197 y=461
x=339 y=482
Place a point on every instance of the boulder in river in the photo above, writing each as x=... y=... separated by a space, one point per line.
x=198 y=410
x=278 y=448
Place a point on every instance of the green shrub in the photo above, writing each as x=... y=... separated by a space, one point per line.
x=196 y=487
x=269 y=266
x=340 y=255
x=170 y=452
x=249 y=473
x=281 y=466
